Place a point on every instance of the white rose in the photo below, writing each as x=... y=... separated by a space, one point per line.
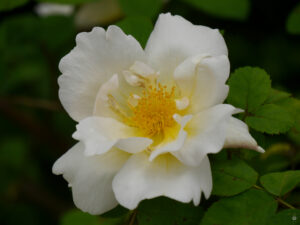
x=147 y=118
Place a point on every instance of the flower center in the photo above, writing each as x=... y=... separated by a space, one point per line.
x=154 y=110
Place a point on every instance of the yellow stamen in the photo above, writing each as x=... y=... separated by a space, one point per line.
x=154 y=110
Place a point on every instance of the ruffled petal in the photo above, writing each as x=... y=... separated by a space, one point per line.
x=202 y=79
x=206 y=134
x=238 y=136
x=173 y=145
x=98 y=55
x=100 y=134
x=102 y=106
x=174 y=39
x=140 y=179
x=91 y=177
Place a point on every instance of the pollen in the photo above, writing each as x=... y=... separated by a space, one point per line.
x=154 y=110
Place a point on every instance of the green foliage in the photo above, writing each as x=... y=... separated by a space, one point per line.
x=30 y=61
x=249 y=88
x=116 y=212
x=164 y=211
x=276 y=96
x=286 y=217
x=138 y=26
x=147 y=8
x=271 y=119
x=66 y=1
x=293 y=21
x=77 y=217
x=280 y=183
x=251 y=207
x=231 y=177
x=11 y=4
x=13 y=152
x=227 y=9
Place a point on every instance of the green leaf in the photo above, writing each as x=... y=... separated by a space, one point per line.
x=293 y=106
x=116 y=212
x=147 y=8
x=271 y=119
x=77 y=217
x=286 y=217
x=249 y=88
x=11 y=4
x=228 y=9
x=277 y=96
x=167 y=212
x=280 y=183
x=293 y=21
x=253 y=207
x=138 y=26
x=231 y=177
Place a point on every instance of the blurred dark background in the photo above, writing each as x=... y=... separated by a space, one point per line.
x=35 y=129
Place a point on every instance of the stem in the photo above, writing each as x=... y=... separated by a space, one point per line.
x=285 y=203
x=258 y=187
x=132 y=218
x=277 y=198
x=245 y=114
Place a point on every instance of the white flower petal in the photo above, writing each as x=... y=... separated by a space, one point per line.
x=238 y=136
x=206 y=134
x=174 y=39
x=102 y=106
x=97 y=56
x=175 y=145
x=142 y=69
x=100 y=134
x=140 y=74
x=133 y=144
x=202 y=78
x=140 y=179
x=91 y=177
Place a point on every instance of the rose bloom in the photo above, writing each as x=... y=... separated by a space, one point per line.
x=147 y=118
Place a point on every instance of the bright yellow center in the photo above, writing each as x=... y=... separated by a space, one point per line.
x=154 y=110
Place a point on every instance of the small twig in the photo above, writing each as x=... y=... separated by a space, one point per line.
x=277 y=198
x=32 y=125
x=285 y=203
x=132 y=218
x=34 y=103
x=258 y=187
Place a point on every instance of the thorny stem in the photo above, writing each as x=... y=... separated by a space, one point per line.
x=277 y=198
x=132 y=218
